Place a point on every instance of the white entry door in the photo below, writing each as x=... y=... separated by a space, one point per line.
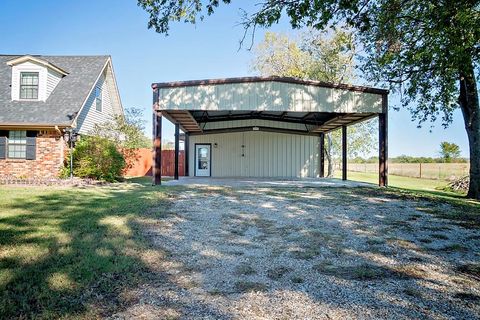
x=203 y=160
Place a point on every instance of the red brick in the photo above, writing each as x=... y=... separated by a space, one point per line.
x=50 y=154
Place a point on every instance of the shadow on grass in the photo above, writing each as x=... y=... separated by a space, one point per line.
x=84 y=252
x=77 y=252
x=462 y=210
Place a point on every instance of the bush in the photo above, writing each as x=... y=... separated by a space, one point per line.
x=97 y=158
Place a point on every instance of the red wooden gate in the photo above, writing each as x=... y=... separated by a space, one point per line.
x=168 y=163
x=142 y=164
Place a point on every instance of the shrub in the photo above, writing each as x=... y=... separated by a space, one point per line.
x=97 y=158
x=126 y=131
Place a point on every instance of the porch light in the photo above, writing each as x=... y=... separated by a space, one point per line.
x=70 y=137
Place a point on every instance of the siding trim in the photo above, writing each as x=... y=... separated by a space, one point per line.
x=74 y=122
x=191 y=83
x=258 y=128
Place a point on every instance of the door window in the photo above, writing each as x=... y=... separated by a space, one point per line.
x=202 y=158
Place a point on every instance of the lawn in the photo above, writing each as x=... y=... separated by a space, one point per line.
x=72 y=253
x=426 y=189
x=396 y=181
x=80 y=253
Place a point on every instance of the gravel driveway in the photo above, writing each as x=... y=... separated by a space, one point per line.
x=307 y=253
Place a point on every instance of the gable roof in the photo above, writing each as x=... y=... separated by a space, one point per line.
x=343 y=86
x=37 y=60
x=63 y=103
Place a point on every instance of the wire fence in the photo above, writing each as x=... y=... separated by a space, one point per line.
x=441 y=171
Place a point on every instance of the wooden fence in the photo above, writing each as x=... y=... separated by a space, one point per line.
x=141 y=163
x=439 y=171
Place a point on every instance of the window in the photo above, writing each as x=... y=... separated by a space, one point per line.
x=17 y=144
x=98 y=99
x=29 y=85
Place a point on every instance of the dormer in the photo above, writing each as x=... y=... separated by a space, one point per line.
x=33 y=79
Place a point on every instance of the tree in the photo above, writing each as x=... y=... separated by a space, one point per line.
x=427 y=50
x=278 y=55
x=126 y=132
x=449 y=151
x=318 y=56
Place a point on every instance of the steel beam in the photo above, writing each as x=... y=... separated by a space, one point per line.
x=321 y=156
x=344 y=152
x=383 y=144
x=157 y=148
x=187 y=153
x=177 y=149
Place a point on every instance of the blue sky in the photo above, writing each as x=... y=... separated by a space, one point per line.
x=140 y=56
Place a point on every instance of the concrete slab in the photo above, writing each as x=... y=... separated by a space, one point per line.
x=264 y=182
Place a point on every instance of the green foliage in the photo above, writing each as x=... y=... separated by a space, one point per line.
x=449 y=151
x=361 y=139
x=278 y=55
x=429 y=51
x=323 y=57
x=316 y=55
x=331 y=55
x=419 y=47
x=162 y=11
x=97 y=158
x=125 y=131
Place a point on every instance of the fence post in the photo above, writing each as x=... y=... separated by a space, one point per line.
x=420 y=170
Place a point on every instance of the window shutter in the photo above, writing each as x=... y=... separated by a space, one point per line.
x=31 y=145
x=3 y=147
x=32 y=134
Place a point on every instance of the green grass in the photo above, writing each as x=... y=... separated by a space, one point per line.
x=463 y=211
x=396 y=181
x=74 y=252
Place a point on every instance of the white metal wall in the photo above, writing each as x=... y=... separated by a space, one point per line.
x=269 y=96
x=265 y=154
x=252 y=123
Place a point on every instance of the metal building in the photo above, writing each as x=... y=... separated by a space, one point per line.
x=262 y=126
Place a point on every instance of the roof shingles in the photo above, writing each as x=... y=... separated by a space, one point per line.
x=63 y=103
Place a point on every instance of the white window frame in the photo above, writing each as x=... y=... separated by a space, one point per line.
x=14 y=142
x=21 y=85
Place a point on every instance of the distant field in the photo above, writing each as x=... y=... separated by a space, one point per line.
x=395 y=181
x=417 y=170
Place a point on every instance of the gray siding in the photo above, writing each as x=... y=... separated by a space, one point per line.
x=53 y=78
x=252 y=123
x=266 y=154
x=89 y=116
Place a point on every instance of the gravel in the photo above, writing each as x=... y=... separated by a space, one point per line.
x=307 y=253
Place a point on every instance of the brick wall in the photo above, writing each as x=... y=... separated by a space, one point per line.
x=50 y=153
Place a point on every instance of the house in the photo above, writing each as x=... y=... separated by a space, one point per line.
x=263 y=126
x=43 y=97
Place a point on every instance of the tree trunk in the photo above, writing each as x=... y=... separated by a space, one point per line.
x=470 y=108
x=328 y=153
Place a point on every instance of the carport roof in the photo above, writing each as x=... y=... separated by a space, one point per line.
x=320 y=106
x=343 y=86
